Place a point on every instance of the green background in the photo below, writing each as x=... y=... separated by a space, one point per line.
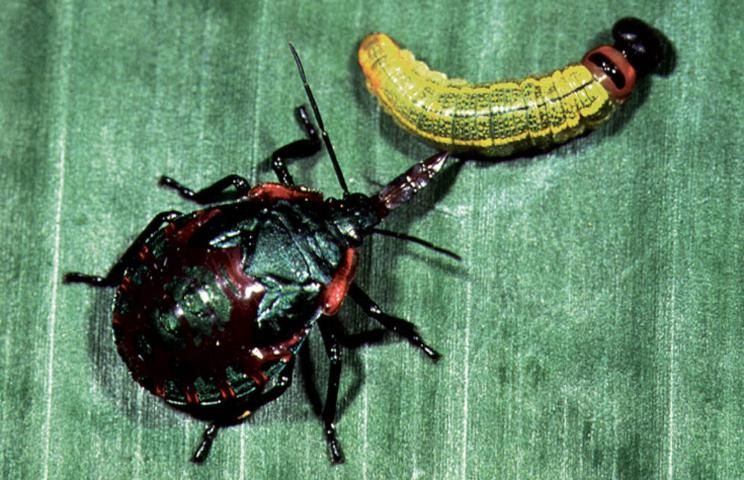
x=593 y=329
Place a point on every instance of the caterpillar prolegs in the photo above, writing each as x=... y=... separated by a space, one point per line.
x=502 y=118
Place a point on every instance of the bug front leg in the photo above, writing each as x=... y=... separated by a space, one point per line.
x=116 y=273
x=298 y=149
x=402 y=327
x=333 y=350
x=211 y=194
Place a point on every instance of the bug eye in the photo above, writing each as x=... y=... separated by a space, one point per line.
x=612 y=70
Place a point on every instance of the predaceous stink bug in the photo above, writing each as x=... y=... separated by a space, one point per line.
x=212 y=307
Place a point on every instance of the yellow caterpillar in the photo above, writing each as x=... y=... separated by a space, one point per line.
x=502 y=118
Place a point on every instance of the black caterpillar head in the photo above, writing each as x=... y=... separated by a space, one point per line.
x=643 y=46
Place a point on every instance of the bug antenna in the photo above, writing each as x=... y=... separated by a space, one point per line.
x=319 y=119
x=419 y=241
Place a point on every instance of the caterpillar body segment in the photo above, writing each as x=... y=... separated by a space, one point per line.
x=505 y=117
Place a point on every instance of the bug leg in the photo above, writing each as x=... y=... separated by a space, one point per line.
x=333 y=350
x=280 y=386
x=205 y=446
x=116 y=273
x=402 y=327
x=298 y=149
x=211 y=194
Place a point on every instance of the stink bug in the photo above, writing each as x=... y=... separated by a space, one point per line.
x=212 y=307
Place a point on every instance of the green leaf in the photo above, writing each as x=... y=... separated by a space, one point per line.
x=593 y=329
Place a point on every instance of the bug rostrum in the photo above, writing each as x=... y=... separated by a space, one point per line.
x=212 y=307
x=505 y=117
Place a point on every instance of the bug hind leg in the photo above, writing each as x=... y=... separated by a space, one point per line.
x=305 y=147
x=116 y=273
x=202 y=451
x=402 y=327
x=281 y=384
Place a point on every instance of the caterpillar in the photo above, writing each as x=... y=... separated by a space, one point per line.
x=506 y=117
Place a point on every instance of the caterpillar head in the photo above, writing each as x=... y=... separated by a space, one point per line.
x=640 y=43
